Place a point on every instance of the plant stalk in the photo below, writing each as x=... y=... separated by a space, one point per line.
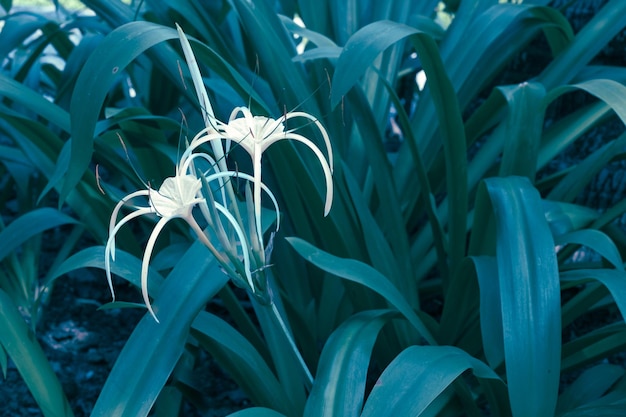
x=292 y=344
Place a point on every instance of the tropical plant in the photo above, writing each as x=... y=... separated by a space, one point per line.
x=456 y=250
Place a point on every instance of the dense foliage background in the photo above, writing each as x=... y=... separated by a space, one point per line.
x=465 y=267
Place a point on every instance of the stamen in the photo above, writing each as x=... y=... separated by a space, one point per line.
x=330 y=89
x=123 y=145
x=98 y=179
x=180 y=72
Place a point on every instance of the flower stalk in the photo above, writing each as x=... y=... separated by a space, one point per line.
x=283 y=326
x=202 y=184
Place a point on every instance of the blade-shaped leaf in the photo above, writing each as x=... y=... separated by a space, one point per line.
x=593 y=347
x=29 y=225
x=609 y=91
x=391 y=223
x=339 y=386
x=529 y=294
x=106 y=63
x=523 y=125
x=34 y=101
x=17 y=338
x=240 y=360
x=567 y=217
x=576 y=179
x=614 y=281
x=360 y=51
x=490 y=311
x=594 y=36
x=132 y=390
x=364 y=274
x=591 y=385
x=126 y=266
x=596 y=240
x=611 y=404
x=416 y=377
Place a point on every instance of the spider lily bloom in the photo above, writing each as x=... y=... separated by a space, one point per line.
x=257 y=133
x=176 y=198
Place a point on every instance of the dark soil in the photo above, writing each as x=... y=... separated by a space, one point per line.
x=82 y=344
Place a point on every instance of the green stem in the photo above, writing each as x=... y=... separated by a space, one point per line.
x=292 y=344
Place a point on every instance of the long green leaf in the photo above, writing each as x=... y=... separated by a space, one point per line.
x=34 y=101
x=599 y=409
x=239 y=358
x=360 y=51
x=594 y=36
x=383 y=258
x=391 y=220
x=417 y=377
x=125 y=266
x=31 y=224
x=576 y=179
x=490 y=310
x=274 y=47
x=609 y=91
x=364 y=274
x=17 y=338
x=595 y=240
x=436 y=229
x=614 y=281
x=566 y=130
x=291 y=371
x=448 y=111
x=339 y=386
x=591 y=385
x=17 y=28
x=106 y=64
x=529 y=295
x=593 y=347
x=522 y=127
x=580 y=304
x=132 y=390
x=566 y=217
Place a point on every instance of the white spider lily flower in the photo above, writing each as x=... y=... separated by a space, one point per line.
x=176 y=198
x=257 y=133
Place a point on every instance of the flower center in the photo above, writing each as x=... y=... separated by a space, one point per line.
x=254 y=129
x=176 y=196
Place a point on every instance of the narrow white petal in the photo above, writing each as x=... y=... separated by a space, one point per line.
x=146 y=262
x=109 y=250
x=320 y=156
x=315 y=120
x=197 y=142
x=119 y=206
x=118 y=226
